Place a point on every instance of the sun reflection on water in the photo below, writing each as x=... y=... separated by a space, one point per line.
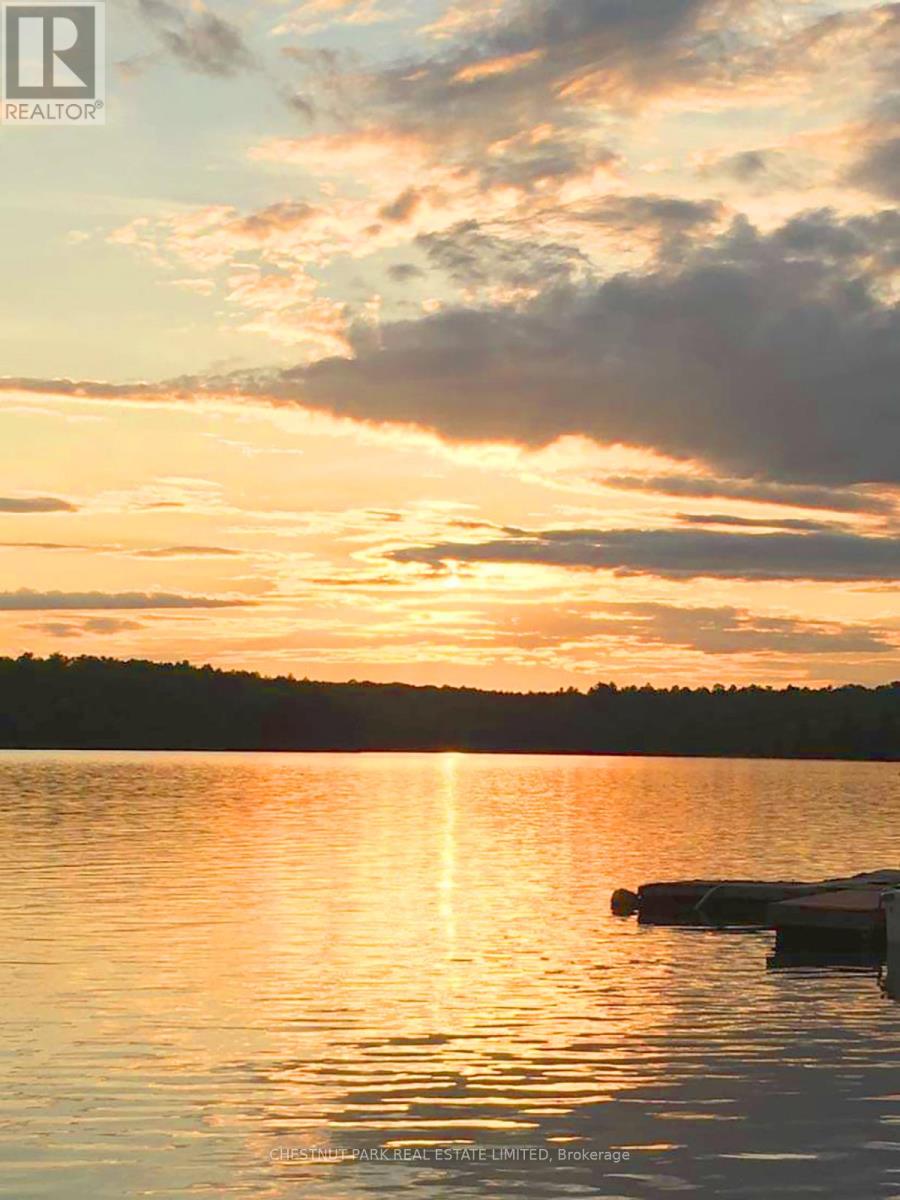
x=210 y=957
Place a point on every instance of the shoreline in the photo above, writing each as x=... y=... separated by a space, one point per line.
x=436 y=751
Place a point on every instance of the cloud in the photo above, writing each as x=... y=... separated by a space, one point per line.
x=514 y=69
x=764 y=356
x=186 y=552
x=793 y=525
x=588 y=630
x=44 y=546
x=108 y=625
x=26 y=600
x=464 y=18
x=533 y=65
x=310 y=16
x=728 y=630
x=476 y=254
x=405 y=272
x=758 y=491
x=472 y=257
x=199 y=39
x=664 y=216
x=403 y=207
x=129 y=551
x=878 y=169
x=532 y=59
x=746 y=165
x=770 y=356
x=681 y=553
x=95 y=625
x=501 y=70
x=35 y=504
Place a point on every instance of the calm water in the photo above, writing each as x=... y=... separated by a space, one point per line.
x=210 y=965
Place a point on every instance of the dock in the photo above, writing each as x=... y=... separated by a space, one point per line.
x=834 y=913
x=717 y=902
x=842 y=918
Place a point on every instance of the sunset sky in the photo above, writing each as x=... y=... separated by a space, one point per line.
x=514 y=343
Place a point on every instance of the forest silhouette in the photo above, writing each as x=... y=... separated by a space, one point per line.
x=106 y=703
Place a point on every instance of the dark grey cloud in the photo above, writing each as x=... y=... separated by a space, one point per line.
x=775 y=357
x=768 y=357
x=26 y=600
x=200 y=40
x=469 y=253
x=764 y=169
x=527 y=69
x=552 y=65
x=330 y=84
x=727 y=630
x=681 y=553
x=791 y=525
x=665 y=215
x=759 y=491
x=746 y=166
x=405 y=272
x=536 y=61
x=35 y=504
x=637 y=43
x=299 y=104
x=861 y=247
x=471 y=256
x=403 y=207
x=878 y=169
x=526 y=165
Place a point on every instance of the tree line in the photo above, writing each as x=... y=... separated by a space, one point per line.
x=106 y=703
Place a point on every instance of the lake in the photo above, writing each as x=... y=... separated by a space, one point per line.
x=343 y=976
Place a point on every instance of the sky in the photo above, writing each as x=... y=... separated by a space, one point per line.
x=509 y=343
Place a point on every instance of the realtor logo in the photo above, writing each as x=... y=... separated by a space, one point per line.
x=54 y=63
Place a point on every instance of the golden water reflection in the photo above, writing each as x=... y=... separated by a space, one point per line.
x=212 y=961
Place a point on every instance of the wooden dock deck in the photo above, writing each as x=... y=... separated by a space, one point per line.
x=715 y=901
x=847 y=917
x=843 y=911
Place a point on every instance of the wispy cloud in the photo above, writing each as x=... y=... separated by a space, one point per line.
x=759 y=491
x=709 y=630
x=311 y=16
x=681 y=553
x=35 y=504
x=26 y=600
x=198 y=38
x=186 y=552
x=104 y=626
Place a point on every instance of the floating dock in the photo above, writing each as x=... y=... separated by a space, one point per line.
x=842 y=918
x=830 y=912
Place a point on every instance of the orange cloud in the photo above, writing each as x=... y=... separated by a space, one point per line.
x=491 y=67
